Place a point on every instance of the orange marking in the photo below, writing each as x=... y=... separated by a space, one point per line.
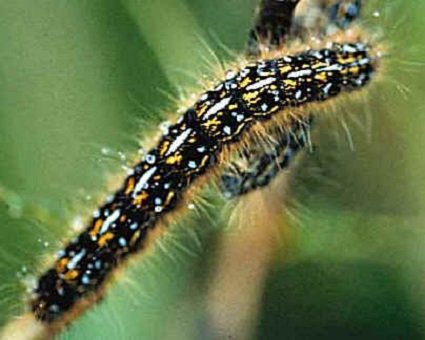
x=169 y=197
x=96 y=227
x=139 y=199
x=71 y=275
x=321 y=76
x=285 y=69
x=343 y=60
x=290 y=83
x=61 y=265
x=355 y=70
x=164 y=148
x=135 y=237
x=201 y=110
x=210 y=122
x=245 y=82
x=174 y=159
x=318 y=65
x=105 y=238
x=130 y=185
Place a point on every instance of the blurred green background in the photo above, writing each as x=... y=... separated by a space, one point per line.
x=81 y=82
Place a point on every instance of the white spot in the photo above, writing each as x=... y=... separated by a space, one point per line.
x=85 y=280
x=158 y=201
x=77 y=258
x=167 y=186
x=143 y=181
x=297 y=74
x=178 y=142
x=204 y=97
x=158 y=209
x=261 y=83
x=134 y=226
x=227 y=130
x=287 y=59
x=201 y=149
x=240 y=118
x=122 y=242
x=264 y=107
x=111 y=219
x=60 y=254
x=363 y=61
x=54 y=308
x=376 y=14
x=192 y=164
x=298 y=94
x=150 y=159
x=216 y=108
x=191 y=206
x=334 y=67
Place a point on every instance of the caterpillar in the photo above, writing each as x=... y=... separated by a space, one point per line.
x=192 y=146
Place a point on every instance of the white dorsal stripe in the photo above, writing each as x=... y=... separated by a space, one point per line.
x=109 y=220
x=178 y=141
x=143 y=180
x=334 y=67
x=296 y=74
x=216 y=108
x=261 y=83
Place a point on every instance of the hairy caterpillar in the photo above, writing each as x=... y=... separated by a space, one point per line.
x=215 y=139
x=253 y=94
